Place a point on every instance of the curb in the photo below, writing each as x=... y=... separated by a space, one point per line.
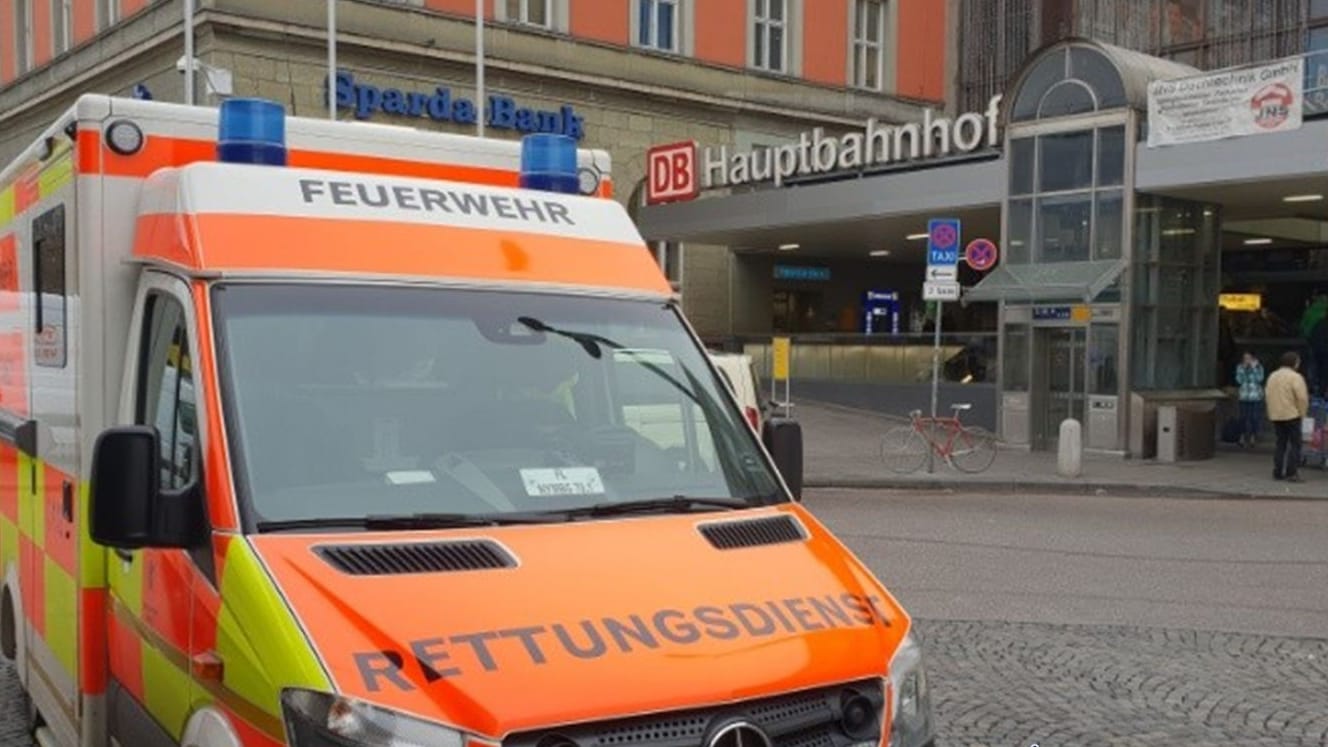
x=1115 y=490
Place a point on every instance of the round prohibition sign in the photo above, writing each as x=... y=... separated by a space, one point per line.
x=981 y=254
x=944 y=236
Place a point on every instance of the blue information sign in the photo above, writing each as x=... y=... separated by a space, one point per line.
x=1051 y=313
x=943 y=241
x=794 y=272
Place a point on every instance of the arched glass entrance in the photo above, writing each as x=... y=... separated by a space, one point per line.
x=1069 y=237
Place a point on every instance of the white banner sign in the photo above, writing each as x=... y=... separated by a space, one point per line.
x=1246 y=101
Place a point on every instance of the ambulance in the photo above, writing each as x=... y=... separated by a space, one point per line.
x=318 y=433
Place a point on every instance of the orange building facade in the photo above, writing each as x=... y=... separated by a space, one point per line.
x=618 y=75
x=887 y=46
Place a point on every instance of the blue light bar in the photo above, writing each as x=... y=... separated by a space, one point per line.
x=548 y=163
x=252 y=131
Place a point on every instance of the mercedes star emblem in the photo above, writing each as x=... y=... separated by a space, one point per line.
x=740 y=734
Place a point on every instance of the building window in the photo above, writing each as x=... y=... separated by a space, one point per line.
x=531 y=12
x=23 y=31
x=769 y=37
x=658 y=24
x=62 y=26
x=669 y=256
x=1069 y=197
x=1316 y=59
x=868 y=44
x=108 y=14
x=48 y=288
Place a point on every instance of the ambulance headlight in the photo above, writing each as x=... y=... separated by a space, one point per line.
x=315 y=719
x=910 y=699
x=124 y=137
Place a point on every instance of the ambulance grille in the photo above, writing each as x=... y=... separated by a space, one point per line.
x=417 y=557
x=811 y=718
x=733 y=535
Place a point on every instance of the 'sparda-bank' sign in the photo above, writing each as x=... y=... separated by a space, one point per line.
x=502 y=112
x=678 y=171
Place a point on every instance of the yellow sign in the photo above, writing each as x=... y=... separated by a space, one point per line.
x=780 y=350
x=1081 y=314
x=1240 y=301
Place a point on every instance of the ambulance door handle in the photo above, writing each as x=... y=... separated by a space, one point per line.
x=123 y=554
x=67 y=501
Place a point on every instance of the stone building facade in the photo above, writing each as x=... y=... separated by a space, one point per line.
x=623 y=73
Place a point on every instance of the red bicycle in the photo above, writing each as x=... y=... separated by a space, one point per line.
x=967 y=448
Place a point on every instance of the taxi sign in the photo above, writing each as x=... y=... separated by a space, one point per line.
x=943 y=241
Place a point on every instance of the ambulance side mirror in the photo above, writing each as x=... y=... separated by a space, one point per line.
x=127 y=506
x=783 y=439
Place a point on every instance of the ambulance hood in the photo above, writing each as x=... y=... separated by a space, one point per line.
x=589 y=620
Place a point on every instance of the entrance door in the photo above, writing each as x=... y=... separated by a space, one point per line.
x=1059 y=389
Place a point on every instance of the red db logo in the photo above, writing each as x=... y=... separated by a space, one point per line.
x=671 y=173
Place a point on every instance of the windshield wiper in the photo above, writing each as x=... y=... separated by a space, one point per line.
x=588 y=342
x=676 y=504
x=406 y=521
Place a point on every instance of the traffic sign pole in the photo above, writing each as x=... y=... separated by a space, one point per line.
x=935 y=379
x=943 y=249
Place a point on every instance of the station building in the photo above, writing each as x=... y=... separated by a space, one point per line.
x=1138 y=257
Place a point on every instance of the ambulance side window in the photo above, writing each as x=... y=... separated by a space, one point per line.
x=48 y=287
x=166 y=389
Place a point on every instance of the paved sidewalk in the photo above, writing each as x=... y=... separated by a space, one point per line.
x=842 y=449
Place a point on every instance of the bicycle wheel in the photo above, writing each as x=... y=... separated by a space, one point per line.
x=904 y=449
x=973 y=450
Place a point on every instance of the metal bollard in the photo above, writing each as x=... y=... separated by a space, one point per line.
x=1070 y=449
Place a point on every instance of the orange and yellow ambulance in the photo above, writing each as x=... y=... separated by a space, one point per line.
x=319 y=433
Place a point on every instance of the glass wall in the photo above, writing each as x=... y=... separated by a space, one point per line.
x=1066 y=196
x=996 y=35
x=1176 y=280
x=1103 y=352
x=1016 y=358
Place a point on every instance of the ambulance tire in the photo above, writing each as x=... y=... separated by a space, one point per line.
x=8 y=627
x=18 y=709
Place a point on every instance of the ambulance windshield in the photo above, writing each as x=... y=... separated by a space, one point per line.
x=354 y=401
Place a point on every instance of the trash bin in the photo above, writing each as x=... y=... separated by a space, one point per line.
x=1186 y=432
x=1196 y=436
x=1167 y=436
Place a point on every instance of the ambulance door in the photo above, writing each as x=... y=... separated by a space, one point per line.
x=152 y=589
x=49 y=469
x=18 y=604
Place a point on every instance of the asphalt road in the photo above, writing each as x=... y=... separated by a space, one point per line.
x=1107 y=621
x=1095 y=620
x=1226 y=565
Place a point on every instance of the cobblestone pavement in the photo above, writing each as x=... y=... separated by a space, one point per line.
x=1018 y=684
x=998 y=684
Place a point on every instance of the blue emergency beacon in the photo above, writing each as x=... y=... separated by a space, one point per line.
x=548 y=162
x=252 y=131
